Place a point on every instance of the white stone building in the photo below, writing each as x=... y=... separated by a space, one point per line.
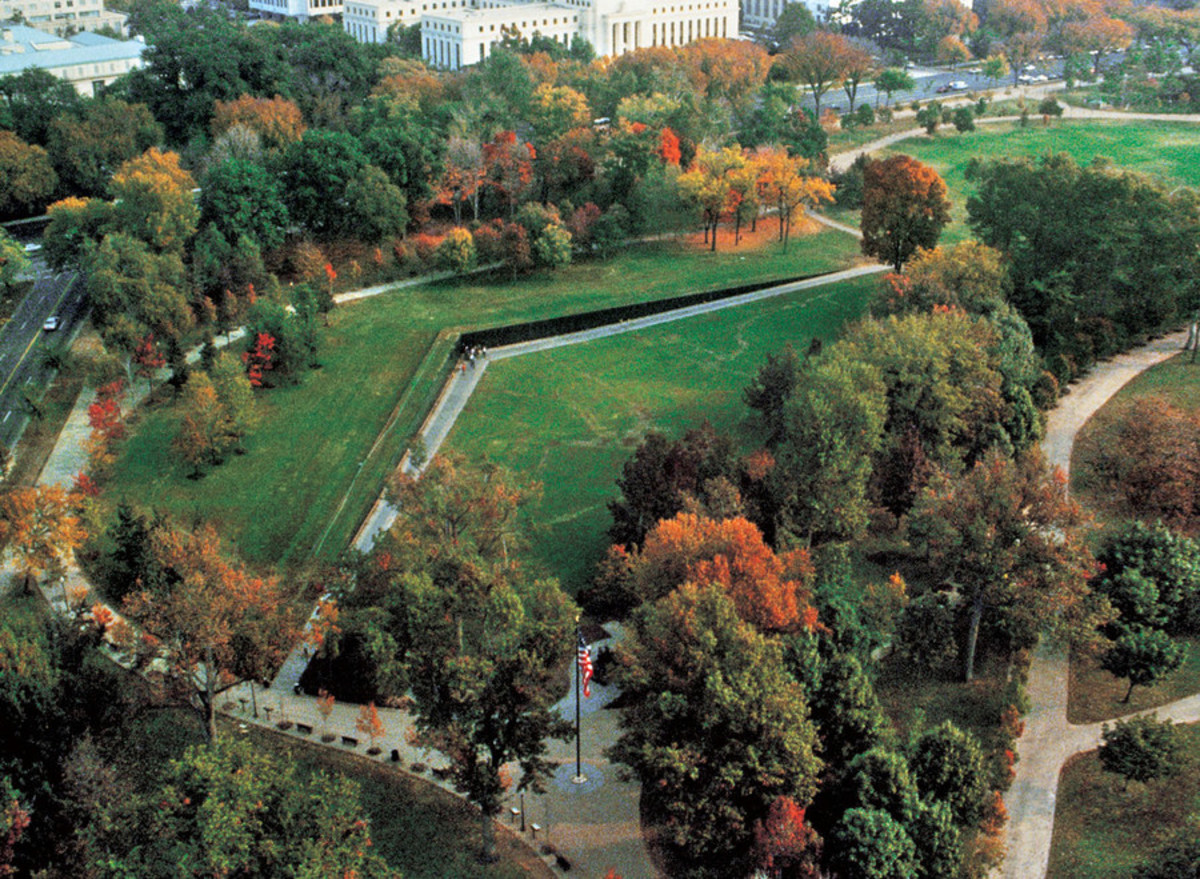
x=760 y=15
x=300 y=10
x=88 y=61
x=62 y=16
x=456 y=33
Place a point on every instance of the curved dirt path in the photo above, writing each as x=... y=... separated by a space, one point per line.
x=1049 y=740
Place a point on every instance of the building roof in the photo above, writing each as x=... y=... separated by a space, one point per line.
x=23 y=47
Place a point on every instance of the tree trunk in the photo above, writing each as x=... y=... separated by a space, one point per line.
x=973 y=638
x=1128 y=693
x=208 y=697
x=487 y=838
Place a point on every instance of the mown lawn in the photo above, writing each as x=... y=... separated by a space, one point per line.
x=1104 y=832
x=1096 y=694
x=570 y=417
x=277 y=503
x=1164 y=149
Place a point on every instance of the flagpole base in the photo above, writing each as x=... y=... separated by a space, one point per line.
x=579 y=779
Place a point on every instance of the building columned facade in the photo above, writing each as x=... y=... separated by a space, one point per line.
x=456 y=33
x=62 y=17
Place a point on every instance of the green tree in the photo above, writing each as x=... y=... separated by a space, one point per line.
x=832 y=427
x=552 y=248
x=239 y=197
x=892 y=79
x=135 y=292
x=32 y=99
x=707 y=690
x=89 y=145
x=796 y=20
x=234 y=810
x=964 y=119
x=317 y=172
x=378 y=208
x=844 y=706
x=1152 y=576
x=1140 y=749
x=879 y=779
x=456 y=252
x=938 y=840
x=904 y=208
x=1007 y=538
x=1119 y=264
x=870 y=844
x=27 y=179
x=1143 y=656
x=13 y=261
x=948 y=766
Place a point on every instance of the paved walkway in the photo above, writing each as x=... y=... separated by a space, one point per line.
x=1049 y=740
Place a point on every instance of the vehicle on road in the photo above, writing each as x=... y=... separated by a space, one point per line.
x=52 y=323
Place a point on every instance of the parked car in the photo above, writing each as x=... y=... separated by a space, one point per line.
x=959 y=85
x=52 y=323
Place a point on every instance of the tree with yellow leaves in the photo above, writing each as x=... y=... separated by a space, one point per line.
x=40 y=529
x=783 y=184
x=153 y=201
x=708 y=185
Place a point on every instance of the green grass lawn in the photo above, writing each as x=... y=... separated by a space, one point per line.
x=570 y=417
x=277 y=503
x=1096 y=694
x=1165 y=149
x=1103 y=832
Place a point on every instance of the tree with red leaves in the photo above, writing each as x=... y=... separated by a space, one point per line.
x=508 y=166
x=784 y=844
x=668 y=147
x=148 y=359
x=260 y=359
x=14 y=820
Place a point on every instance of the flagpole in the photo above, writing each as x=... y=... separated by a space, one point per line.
x=579 y=778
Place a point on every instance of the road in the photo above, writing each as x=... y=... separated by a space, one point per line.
x=928 y=80
x=23 y=343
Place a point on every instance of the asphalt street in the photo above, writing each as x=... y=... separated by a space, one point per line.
x=24 y=372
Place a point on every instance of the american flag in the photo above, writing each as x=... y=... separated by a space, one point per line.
x=585 y=666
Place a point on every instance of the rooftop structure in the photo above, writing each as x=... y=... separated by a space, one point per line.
x=88 y=61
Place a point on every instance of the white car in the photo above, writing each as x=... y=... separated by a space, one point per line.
x=52 y=323
x=959 y=85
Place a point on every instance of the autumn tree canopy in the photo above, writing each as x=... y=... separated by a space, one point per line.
x=904 y=207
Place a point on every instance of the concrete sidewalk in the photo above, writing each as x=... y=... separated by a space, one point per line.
x=1049 y=740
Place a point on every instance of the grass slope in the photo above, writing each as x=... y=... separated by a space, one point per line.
x=572 y=416
x=1102 y=832
x=303 y=463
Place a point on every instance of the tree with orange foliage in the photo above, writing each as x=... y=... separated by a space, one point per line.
x=783 y=183
x=369 y=724
x=277 y=121
x=1098 y=36
x=727 y=70
x=773 y=592
x=212 y=622
x=40 y=529
x=153 y=200
x=904 y=207
x=1006 y=537
x=463 y=177
x=508 y=167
